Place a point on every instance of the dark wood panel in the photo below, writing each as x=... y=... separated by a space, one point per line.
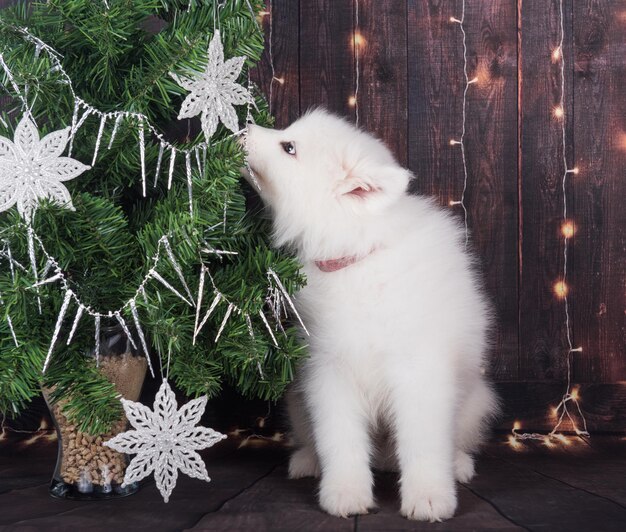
x=598 y=250
x=435 y=85
x=327 y=75
x=543 y=351
x=381 y=45
x=281 y=24
x=491 y=141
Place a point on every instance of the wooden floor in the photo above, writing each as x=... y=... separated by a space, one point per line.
x=580 y=488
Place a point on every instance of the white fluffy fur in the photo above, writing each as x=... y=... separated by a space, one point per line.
x=398 y=339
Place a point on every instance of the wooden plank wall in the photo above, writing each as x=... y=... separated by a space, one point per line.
x=410 y=94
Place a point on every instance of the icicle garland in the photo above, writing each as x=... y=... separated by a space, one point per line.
x=122 y=323
x=142 y=338
x=229 y=311
x=10 y=324
x=189 y=181
x=97 y=338
x=116 y=125
x=218 y=298
x=176 y=266
x=288 y=298
x=33 y=261
x=170 y=173
x=79 y=313
x=156 y=275
x=10 y=257
x=73 y=127
x=197 y=152
x=199 y=301
x=9 y=74
x=103 y=120
x=267 y=326
x=142 y=290
x=159 y=161
x=49 y=280
x=142 y=156
x=76 y=127
x=57 y=327
x=46 y=269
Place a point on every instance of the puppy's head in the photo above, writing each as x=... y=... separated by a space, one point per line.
x=322 y=177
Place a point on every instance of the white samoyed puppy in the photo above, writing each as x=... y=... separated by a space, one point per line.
x=397 y=318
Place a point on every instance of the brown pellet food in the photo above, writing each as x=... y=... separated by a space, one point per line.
x=85 y=454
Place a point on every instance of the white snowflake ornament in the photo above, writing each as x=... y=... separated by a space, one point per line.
x=32 y=169
x=165 y=440
x=215 y=91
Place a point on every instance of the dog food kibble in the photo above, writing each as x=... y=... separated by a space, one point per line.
x=85 y=459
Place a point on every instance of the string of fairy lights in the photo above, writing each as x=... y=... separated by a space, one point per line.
x=570 y=400
x=460 y=142
x=571 y=396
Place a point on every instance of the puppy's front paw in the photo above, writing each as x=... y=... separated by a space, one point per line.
x=346 y=499
x=303 y=463
x=463 y=467
x=428 y=504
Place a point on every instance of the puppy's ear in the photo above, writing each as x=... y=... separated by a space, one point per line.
x=373 y=187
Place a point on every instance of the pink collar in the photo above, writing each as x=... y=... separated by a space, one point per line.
x=333 y=265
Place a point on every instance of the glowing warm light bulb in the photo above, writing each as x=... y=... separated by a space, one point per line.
x=454 y=142
x=352 y=101
x=517 y=425
x=568 y=229
x=558 y=111
x=555 y=411
x=514 y=443
x=473 y=80
x=556 y=54
x=454 y=19
x=574 y=394
x=263 y=13
x=358 y=39
x=279 y=80
x=547 y=441
x=574 y=170
x=563 y=439
x=560 y=289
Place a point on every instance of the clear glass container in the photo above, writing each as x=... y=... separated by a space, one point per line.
x=86 y=469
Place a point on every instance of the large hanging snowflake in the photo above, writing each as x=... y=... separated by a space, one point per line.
x=165 y=441
x=33 y=169
x=214 y=91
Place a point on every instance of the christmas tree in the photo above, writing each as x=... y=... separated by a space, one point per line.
x=145 y=225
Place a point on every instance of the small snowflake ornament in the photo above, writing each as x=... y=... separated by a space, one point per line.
x=215 y=91
x=165 y=440
x=32 y=169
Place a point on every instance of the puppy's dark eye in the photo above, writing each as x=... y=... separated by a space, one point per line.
x=289 y=147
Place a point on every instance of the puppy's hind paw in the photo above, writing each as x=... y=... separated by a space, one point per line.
x=303 y=463
x=429 y=505
x=463 y=467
